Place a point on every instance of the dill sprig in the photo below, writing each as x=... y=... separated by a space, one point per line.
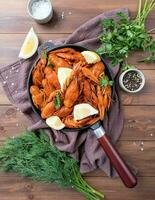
x=32 y=155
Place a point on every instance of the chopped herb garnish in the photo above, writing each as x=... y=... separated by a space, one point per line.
x=104 y=81
x=44 y=54
x=57 y=101
x=49 y=64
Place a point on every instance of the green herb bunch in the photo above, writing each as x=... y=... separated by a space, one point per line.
x=120 y=37
x=32 y=155
x=104 y=81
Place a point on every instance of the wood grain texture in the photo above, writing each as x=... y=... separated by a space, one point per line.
x=139 y=123
x=14 y=187
x=14 y=42
x=18 y=21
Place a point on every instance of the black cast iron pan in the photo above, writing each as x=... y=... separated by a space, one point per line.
x=119 y=164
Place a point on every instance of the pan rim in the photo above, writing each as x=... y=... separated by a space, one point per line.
x=29 y=80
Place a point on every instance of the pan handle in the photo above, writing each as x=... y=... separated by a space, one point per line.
x=47 y=46
x=117 y=161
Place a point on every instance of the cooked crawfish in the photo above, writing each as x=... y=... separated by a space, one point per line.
x=83 y=86
x=89 y=93
x=71 y=123
x=107 y=96
x=34 y=90
x=38 y=96
x=77 y=68
x=37 y=76
x=39 y=100
x=101 y=104
x=48 y=110
x=63 y=112
x=71 y=94
x=72 y=57
x=47 y=87
x=52 y=95
x=88 y=73
x=64 y=50
x=53 y=80
x=98 y=69
x=58 y=62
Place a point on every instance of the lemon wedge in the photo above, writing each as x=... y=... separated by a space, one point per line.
x=55 y=123
x=63 y=75
x=91 y=57
x=30 y=45
x=83 y=110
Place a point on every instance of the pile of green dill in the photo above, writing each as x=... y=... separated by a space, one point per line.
x=120 y=38
x=32 y=155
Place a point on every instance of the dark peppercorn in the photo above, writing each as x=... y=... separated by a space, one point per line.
x=132 y=80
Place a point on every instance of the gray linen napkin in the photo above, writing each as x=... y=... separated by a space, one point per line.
x=83 y=145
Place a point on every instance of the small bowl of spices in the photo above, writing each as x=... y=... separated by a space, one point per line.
x=132 y=80
x=40 y=10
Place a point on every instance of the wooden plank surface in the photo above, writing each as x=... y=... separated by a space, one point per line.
x=139 y=109
x=139 y=123
x=14 y=42
x=19 y=188
x=81 y=11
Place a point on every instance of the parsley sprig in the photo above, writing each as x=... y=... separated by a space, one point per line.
x=57 y=100
x=33 y=156
x=104 y=81
x=121 y=37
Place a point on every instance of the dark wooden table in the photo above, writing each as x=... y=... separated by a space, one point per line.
x=139 y=109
